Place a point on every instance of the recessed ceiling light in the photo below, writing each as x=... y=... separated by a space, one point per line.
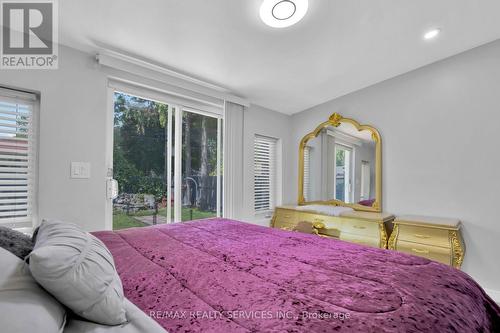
x=283 y=13
x=431 y=34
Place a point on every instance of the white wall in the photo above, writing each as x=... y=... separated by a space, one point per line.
x=72 y=128
x=259 y=120
x=440 y=128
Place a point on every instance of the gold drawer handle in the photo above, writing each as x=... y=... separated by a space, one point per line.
x=422 y=236
x=420 y=251
x=286 y=228
x=287 y=216
x=319 y=225
x=358 y=227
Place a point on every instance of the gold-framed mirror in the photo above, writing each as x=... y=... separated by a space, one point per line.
x=340 y=164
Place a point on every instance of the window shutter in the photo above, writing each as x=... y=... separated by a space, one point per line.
x=307 y=159
x=264 y=173
x=17 y=158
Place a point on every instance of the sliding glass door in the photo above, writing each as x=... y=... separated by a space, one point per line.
x=201 y=161
x=167 y=161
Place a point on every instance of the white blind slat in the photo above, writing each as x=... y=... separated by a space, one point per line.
x=20 y=188
x=11 y=201
x=6 y=158
x=14 y=206
x=13 y=194
x=14 y=213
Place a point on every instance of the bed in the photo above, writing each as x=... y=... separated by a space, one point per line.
x=220 y=275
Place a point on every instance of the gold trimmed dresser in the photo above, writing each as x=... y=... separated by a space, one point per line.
x=366 y=228
x=438 y=239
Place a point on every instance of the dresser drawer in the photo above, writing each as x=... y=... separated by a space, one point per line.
x=359 y=239
x=436 y=253
x=331 y=232
x=360 y=227
x=282 y=224
x=423 y=235
x=329 y=222
x=285 y=217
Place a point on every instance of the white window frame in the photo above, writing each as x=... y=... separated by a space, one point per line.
x=16 y=96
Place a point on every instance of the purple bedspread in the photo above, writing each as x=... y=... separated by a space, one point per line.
x=220 y=275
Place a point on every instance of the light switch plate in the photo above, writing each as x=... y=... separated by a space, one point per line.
x=80 y=170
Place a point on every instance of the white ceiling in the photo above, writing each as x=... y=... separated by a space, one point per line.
x=339 y=47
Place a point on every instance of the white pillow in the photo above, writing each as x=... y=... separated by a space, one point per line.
x=24 y=306
x=78 y=270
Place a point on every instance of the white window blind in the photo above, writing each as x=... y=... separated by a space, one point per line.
x=17 y=158
x=265 y=156
x=307 y=159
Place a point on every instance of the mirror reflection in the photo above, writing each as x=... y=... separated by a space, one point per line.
x=340 y=164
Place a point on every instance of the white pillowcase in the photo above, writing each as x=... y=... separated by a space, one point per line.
x=24 y=306
x=78 y=269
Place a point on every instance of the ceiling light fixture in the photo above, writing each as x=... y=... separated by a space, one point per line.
x=431 y=34
x=283 y=13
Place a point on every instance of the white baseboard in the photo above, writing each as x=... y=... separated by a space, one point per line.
x=494 y=294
